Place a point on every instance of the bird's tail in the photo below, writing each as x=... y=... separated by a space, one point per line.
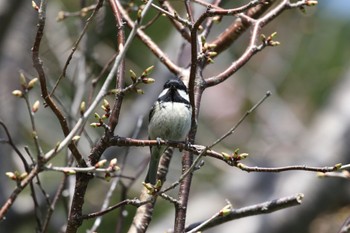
x=153 y=165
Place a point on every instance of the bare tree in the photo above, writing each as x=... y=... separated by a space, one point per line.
x=84 y=152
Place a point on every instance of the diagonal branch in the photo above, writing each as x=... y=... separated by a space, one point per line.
x=238 y=27
x=228 y=214
x=253 y=47
x=180 y=27
x=44 y=92
x=163 y=58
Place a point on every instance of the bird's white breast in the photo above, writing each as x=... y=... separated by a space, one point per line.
x=171 y=121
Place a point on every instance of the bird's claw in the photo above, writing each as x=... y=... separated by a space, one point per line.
x=158 y=141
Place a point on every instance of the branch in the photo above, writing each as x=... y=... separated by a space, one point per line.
x=228 y=214
x=253 y=48
x=14 y=147
x=346 y=226
x=37 y=63
x=9 y=202
x=103 y=91
x=174 y=20
x=231 y=160
x=133 y=202
x=174 y=16
x=76 y=43
x=246 y=168
x=150 y=44
x=82 y=179
x=241 y=120
x=114 y=118
x=238 y=27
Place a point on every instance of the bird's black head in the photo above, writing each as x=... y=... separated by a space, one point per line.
x=174 y=91
x=175 y=84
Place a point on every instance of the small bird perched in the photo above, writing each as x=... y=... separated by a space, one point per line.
x=169 y=119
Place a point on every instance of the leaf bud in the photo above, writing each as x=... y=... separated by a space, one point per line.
x=36 y=106
x=17 y=93
x=82 y=107
x=32 y=83
x=22 y=80
x=76 y=138
x=100 y=163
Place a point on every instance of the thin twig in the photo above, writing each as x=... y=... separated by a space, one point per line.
x=286 y=168
x=151 y=21
x=238 y=27
x=52 y=206
x=172 y=67
x=75 y=45
x=233 y=129
x=75 y=220
x=343 y=174
x=133 y=202
x=103 y=91
x=37 y=63
x=34 y=131
x=189 y=11
x=188 y=171
x=81 y=13
x=14 y=147
x=208 y=5
x=253 y=47
x=345 y=227
x=172 y=15
x=183 y=30
x=115 y=182
x=210 y=21
x=9 y=202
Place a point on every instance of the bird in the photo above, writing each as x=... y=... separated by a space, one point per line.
x=169 y=119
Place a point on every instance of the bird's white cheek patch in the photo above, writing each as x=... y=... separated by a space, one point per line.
x=184 y=95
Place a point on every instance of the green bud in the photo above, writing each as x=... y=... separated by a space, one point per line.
x=82 y=107
x=225 y=211
x=100 y=163
x=243 y=155
x=11 y=175
x=114 y=91
x=97 y=116
x=95 y=124
x=32 y=83
x=132 y=75
x=76 y=138
x=226 y=156
x=139 y=91
x=147 y=71
x=338 y=166
x=113 y=162
x=17 y=93
x=108 y=176
x=22 y=80
x=148 y=80
x=36 y=106
x=23 y=176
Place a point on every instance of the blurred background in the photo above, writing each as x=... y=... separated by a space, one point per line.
x=306 y=121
